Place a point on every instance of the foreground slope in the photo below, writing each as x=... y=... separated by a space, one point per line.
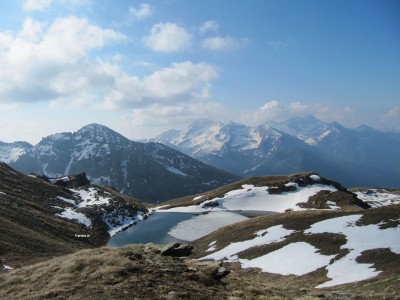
x=41 y=220
x=143 y=272
x=148 y=171
x=319 y=249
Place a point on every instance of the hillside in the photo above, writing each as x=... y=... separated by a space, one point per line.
x=322 y=241
x=40 y=219
x=148 y=171
x=348 y=254
x=143 y=272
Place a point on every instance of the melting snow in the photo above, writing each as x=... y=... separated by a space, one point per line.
x=202 y=225
x=359 y=239
x=296 y=258
x=376 y=199
x=212 y=246
x=315 y=177
x=301 y=258
x=90 y=197
x=251 y=197
x=264 y=237
x=176 y=171
x=68 y=213
x=122 y=221
x=70 y=201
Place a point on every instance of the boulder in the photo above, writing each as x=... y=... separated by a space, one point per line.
x=176 y=250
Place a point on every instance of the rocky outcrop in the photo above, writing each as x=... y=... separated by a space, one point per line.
x=176 y=250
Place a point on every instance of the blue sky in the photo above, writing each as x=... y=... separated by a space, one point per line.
x=142 y=67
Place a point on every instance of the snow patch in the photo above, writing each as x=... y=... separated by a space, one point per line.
x=315 y=177
x=70 y=214
x=176 y=171
x=212 y=246
x=296 y=258
x=359 y=239
x=263 y=237
x=376 y=198
x=70 y=201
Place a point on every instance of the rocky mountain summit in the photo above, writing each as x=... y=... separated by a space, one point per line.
x=356 y=157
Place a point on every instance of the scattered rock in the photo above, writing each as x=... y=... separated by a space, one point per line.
x=176 y=250
x=281 y=188
x=71 y=181
x=211 y=204
x=220 y=273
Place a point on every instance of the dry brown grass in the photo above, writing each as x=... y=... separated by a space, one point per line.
x=105 y=273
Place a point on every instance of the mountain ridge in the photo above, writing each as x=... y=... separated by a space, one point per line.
x=296 y=145
x=148 y=171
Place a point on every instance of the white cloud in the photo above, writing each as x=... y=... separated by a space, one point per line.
x=393 y=113
x=144 y=11
x=154 y=119
x=391 y=119
x=281 y=45
x=210 y=25
x=36 y=5
x=278 y=112
x=184 y=81
x=224 y=43
x=168 y=38
x=44 y=62
x=41 y=5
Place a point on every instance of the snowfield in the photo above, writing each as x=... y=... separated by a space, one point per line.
x=263 y=237
x=301 y=258
x=251 y=197
x=70 y=214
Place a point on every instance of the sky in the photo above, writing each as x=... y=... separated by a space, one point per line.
x=143 y=67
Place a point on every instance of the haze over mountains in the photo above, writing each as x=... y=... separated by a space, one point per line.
x=356 y=157
x=149 y=171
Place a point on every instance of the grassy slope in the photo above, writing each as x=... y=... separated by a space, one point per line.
x=385 y=285
x=140 y=272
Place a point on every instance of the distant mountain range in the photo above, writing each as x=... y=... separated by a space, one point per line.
x=148 y=171
x=357 y=157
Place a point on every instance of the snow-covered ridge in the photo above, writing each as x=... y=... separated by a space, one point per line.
x=258 y=198
x=10 y=153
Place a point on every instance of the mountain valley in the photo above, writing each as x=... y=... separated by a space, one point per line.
x=322 y=241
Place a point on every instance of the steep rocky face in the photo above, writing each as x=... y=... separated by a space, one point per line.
x=152 y=172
